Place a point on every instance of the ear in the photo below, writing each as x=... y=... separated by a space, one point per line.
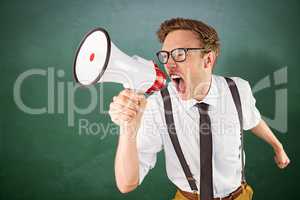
x=209 y=60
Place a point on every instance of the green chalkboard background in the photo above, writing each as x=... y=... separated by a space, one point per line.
x=42 y=156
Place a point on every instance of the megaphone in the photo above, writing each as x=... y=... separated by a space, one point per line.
x=99 y=60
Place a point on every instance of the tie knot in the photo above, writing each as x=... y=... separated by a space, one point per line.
x=202 y=107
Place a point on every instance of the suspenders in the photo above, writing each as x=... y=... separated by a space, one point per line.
x=174 y=139
x=172 y=133
x=237 y=101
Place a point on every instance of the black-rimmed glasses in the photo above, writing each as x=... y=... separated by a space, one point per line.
x=178 y=55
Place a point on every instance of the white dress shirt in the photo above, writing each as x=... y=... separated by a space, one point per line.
x=153 y=136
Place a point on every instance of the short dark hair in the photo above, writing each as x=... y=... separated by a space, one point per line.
x=207 y=34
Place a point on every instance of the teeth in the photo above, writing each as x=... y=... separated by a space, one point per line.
x=175 y=76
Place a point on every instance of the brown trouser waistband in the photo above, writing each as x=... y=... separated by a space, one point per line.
x=231 y=196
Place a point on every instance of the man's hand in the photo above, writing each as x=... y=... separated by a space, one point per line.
x=263 y=131
x=281 y=159
x=126 y=109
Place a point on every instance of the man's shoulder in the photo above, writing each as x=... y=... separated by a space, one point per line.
x=240 y=82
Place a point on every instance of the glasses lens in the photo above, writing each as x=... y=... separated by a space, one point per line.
x=162 y=57
x=178 y=55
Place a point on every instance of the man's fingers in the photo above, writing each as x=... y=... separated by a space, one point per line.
x=116 y=108
x=126 y=107
x=127 y=101
x=120 y=107
x=130 y=94
x=281 y=162
x=143 y=101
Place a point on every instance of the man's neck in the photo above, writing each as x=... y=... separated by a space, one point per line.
x=204 y=88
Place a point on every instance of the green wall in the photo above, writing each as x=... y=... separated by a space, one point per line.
x=43 y=157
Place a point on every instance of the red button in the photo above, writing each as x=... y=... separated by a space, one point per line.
x=92 y=56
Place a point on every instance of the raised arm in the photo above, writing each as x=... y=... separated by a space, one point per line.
x=126 y=110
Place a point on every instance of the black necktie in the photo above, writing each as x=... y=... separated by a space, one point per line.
x=206 y=181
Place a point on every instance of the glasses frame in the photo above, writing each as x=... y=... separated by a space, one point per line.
x=185 y=53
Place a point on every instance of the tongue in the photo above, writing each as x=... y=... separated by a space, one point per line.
x=181 y=86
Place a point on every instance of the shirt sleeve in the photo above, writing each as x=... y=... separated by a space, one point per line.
x=149 y=141
x=251 y=115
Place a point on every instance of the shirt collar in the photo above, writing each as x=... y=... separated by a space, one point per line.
x=211 y=97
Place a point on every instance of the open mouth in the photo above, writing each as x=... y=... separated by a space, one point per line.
x=179 y=83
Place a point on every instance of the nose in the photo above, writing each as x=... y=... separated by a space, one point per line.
x=171 y=63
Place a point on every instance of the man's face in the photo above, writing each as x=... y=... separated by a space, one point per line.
x=188 y=76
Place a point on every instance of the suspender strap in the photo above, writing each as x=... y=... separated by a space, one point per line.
x=237 y=101
x=172 y=133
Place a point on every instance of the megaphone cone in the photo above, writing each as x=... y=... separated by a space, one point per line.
x=99 y=60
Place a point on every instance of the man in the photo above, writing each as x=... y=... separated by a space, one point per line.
x=189 y=52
